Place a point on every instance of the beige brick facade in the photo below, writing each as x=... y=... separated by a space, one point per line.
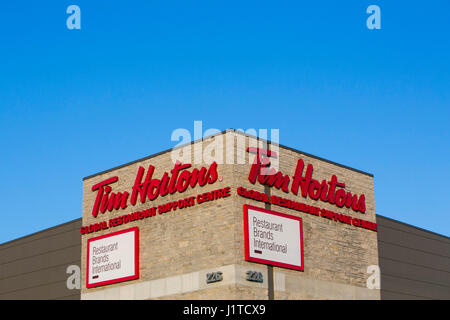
x=178 y=248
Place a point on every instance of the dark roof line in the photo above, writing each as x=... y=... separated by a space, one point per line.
x=40 y=231
x=223 y=132
x=412 y=226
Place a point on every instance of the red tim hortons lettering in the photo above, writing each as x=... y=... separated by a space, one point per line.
x=105 y=200
x=178 y=180
x=260 y=170
x=325 y=191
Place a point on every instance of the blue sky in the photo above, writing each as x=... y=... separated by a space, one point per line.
x=76 y=102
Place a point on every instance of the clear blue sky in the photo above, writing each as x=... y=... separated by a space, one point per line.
x=76 y=102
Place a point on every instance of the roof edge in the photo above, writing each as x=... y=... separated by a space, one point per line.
x=220 y=133
x=40 y=231
x=412 y=226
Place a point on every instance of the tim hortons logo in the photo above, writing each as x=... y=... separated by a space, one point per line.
x=331 y=191
x=178 y=180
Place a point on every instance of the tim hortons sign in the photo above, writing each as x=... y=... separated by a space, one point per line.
x=177 y=180
x=181 y=177
x=331 y=191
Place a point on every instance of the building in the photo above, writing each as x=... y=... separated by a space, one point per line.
x=224 y=224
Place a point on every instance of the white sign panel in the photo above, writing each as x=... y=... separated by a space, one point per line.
x=113 y=258
x=273 y=238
